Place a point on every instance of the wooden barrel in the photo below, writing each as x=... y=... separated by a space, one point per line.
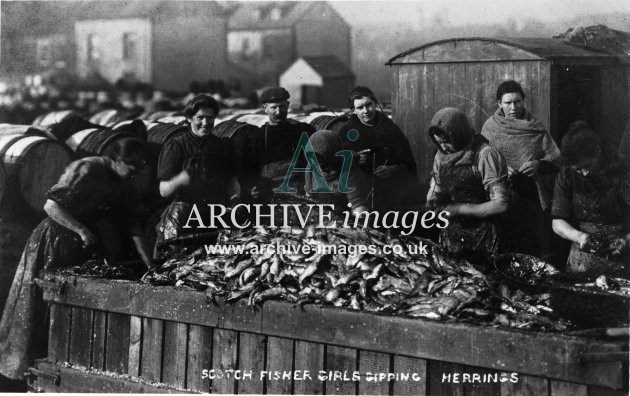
x=159 y=133
x=332 y=123
x=17 y=129
x=254 y=119
x=161 y=114
x=106 y=118
x=238 y=132
x=327 y=120
x=179 y=120
x=54 y=117
x=94 y=141
x=13 y=129
x=32 y=165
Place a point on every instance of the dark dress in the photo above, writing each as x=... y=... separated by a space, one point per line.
x=91 y=191
x=458 y=179
x=269 y=154
x=211 y=163
x=389 y=147
x=598 y=203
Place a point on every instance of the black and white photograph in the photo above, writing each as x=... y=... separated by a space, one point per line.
x=423 y=197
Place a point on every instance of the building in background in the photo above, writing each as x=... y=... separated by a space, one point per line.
x=322 y=80
x=167 y=44
x=264 y=38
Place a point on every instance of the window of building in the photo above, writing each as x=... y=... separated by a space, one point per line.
x=129 y=46
x=44 y=54
x=93 y=50
x=275 y=14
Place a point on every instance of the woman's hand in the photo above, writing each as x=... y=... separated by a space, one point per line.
x=530 y=168
x=453 y=209
x=169 y=187
x=582 y=239
x=87 y=237
x=364 y=156
x=618 y=245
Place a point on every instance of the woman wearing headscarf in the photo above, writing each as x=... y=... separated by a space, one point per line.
x=330 y=169
x=382 y=150
x=468 y=181
x=87 y=208
x=591 y=204
x=533 y=159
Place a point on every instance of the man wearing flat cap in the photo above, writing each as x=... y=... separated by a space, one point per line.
x=272 y=146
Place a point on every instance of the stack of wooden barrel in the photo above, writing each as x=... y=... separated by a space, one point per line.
x=31 y=163
x=34 y=157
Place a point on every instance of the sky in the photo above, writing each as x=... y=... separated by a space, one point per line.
x=461 y=12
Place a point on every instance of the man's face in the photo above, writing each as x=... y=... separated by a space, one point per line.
x=512 y=105
x=365 y=109
x=202 y=121
x=277 y=111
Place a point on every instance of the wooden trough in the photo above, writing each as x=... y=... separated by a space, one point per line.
x=143 y=335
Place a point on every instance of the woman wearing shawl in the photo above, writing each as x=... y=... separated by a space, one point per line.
x=591 y=204
x=532 y=157
x=468 y=181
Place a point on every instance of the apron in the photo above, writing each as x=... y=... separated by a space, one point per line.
x=597 y=201
x=590 y=263
x=473 y=239
x=171 y=226
x=24 y=326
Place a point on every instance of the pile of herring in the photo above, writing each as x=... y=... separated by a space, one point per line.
x=429 y=285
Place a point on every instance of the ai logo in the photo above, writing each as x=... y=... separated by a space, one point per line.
x=319 y=185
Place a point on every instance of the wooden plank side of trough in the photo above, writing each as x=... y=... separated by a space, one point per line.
x=76 y=381
x=132 y=298
x=554 y=356
x=416 y=385
x=526 y=386
x=533 y=353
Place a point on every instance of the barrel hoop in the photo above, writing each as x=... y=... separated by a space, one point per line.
x=112 y=136
x=161 y=132
x=121 y=124
x=14 y=129
x=54 y=117
x=229 y=129
x=75 y=139
x=10 y=140
x=21 y=145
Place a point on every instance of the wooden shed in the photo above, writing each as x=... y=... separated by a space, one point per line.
x=563 y=82
x=323 y=80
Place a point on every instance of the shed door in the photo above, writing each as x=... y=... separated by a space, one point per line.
x=578 y=90
x=114 y=48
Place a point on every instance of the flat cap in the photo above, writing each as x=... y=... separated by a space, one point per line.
x=276 y=94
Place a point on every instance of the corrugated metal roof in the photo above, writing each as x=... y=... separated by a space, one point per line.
x=257 y=15
x=547 y=48
x=328 y=66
